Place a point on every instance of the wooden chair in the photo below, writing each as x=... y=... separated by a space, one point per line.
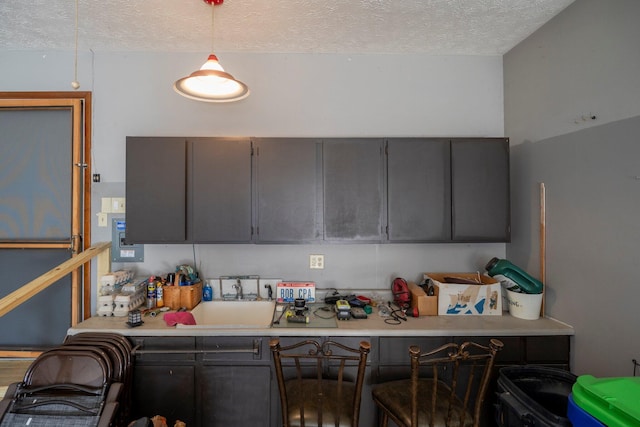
x=317 y=382
x=447 y=387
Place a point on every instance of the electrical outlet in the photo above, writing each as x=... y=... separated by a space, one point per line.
x=316 y=262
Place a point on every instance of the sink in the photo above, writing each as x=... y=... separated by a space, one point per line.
x=232 y=314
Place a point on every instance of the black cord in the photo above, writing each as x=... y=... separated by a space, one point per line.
x=392 y=320
x=324 y=308
x=395 y=317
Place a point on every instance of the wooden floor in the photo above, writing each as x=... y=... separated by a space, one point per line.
x=11 y=371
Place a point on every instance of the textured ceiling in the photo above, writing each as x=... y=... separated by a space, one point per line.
x=446 y=27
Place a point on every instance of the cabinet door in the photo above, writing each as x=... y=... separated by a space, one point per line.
x=419 y=190
x=353 y=190
x=548 y=350
x=156 y=190
x=480 y=189
x=166 y=390
x=289 y=190
x=164 y=378
x=236 y=395
x=220 y=196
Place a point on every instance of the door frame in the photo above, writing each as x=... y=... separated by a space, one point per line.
x=80 y=240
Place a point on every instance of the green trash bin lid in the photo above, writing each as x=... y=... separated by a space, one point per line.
x=613 y=401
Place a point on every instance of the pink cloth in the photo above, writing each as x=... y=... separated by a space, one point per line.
x=182 y=317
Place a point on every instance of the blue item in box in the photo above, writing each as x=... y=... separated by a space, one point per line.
x=579 y=417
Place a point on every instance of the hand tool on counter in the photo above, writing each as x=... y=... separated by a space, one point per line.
x=153 y=312
x=284 y=310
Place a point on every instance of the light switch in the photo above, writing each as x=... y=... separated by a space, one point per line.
x=106 y=205
x=118 y=205
x=102 y=219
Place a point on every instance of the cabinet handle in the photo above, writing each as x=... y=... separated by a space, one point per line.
x=255 y=350
x=252 y=350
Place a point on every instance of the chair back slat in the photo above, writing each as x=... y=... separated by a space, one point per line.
x=326 y=389
x=463 y=370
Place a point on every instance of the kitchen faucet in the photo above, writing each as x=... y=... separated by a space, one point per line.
x=238 y=288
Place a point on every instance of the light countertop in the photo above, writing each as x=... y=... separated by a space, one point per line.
x=374 y=325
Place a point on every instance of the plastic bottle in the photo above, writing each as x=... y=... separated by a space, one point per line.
x=512 y=277
x=207 y=292
x=151 y=292
x=160 y=294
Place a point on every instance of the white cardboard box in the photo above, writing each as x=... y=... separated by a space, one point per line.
x=467 y=299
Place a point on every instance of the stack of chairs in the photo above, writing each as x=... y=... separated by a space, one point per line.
x=85 y=382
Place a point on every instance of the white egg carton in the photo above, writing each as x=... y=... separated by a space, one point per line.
x=105 y=305
x=125 y=303
x=116 y=278
x=131 y=296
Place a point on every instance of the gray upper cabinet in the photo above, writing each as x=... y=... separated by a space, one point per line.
x=220 y=196
x=418 y=190
x=305 y=190
x=188 y=190
x=480 y=190
x=353 y=189
x=289 y=190
x=156 y=190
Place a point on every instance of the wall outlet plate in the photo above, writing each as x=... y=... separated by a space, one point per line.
x=316 y=262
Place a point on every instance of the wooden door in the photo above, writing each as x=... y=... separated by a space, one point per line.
x=44 y=206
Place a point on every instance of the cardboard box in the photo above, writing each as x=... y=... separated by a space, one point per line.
x=464 y=298
x=427 y=305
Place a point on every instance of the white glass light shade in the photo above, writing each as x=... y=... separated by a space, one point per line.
x=211 y=84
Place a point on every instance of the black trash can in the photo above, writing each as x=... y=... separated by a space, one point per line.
x=533 y=396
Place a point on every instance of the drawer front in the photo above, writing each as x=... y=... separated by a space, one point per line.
x=164 y=349
x=547 y=349
x=234 y=349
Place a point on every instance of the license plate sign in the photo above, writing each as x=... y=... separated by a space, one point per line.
x=289 y=291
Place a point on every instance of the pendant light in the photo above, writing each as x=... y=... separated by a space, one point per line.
x=211 y=83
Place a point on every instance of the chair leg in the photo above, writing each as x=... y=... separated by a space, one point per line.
x=384 y=421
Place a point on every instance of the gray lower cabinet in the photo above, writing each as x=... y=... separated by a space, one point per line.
x=234 y=382
x=164 y=376
x=551 y=351
x=204 y=381
x=288 y=190
x=222 y=381
x=353 y=189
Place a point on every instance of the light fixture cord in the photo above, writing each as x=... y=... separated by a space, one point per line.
x=75 y=60
x=213 y=6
